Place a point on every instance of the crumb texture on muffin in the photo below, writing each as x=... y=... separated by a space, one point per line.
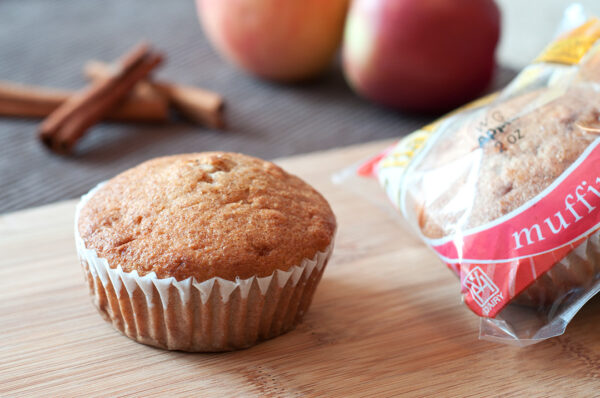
x=206 y=215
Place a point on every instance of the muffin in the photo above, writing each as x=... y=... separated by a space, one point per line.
x=549 y=138
x=204 y=252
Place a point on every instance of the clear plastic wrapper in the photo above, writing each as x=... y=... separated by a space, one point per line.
x=506 y=191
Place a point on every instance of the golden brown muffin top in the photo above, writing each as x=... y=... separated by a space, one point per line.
x=206 y=215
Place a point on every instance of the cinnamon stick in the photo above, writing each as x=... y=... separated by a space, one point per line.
x=21 y=100
x=196 y=104
x=61 y=130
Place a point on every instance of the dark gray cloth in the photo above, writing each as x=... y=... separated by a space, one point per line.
x=47 y=42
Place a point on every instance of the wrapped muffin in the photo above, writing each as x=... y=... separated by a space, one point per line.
x=506 y=191
x=204 y=252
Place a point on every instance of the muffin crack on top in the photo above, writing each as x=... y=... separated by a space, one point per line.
x=206 y=215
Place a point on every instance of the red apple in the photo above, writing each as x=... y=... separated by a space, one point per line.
x=420 y=55
x=285 y=41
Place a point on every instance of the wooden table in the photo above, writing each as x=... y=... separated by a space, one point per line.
x=386 y=321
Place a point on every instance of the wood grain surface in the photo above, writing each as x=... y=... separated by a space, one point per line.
x=386 y=321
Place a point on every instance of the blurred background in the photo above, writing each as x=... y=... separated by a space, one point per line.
x=46 y=43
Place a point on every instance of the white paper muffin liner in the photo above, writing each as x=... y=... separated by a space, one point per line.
x=212 y=315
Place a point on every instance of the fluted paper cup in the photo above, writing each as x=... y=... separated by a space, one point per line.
x=190 y=315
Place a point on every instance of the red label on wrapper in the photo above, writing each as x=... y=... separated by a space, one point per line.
x=367 y=169
x=499 y=260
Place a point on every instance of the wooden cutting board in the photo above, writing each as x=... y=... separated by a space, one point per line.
x=386 y=321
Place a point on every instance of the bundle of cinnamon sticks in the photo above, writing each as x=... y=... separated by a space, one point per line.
x=122 y=92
